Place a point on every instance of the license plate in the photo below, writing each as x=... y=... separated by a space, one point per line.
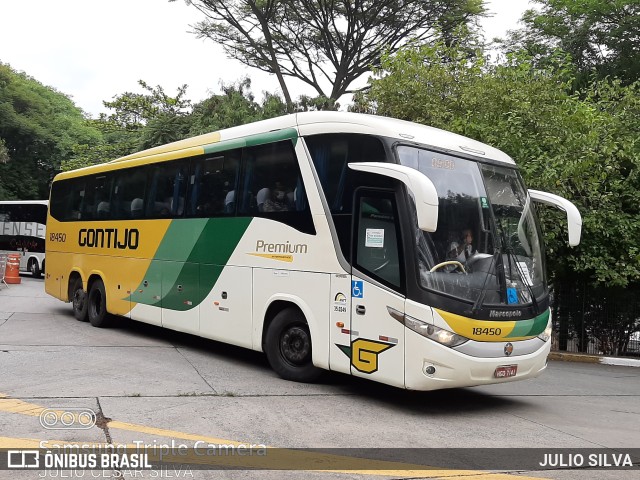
x=505 y=371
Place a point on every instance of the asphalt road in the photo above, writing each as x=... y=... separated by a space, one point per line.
x=155 y=386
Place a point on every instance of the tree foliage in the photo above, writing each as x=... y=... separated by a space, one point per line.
x=583 y=146
x=39 y=128
x=132 y=111
x=236 y=105
x=600 y=35
x=323 y=42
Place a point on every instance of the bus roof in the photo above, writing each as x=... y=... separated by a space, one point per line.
x=309 y=123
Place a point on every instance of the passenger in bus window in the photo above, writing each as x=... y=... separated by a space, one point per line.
x=230 y=201
x=277 y=201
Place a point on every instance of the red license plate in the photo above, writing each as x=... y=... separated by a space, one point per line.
x=506 y=371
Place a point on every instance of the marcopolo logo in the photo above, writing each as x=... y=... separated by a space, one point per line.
x=80 y=418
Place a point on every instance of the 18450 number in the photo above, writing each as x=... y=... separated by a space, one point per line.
x=487 y=331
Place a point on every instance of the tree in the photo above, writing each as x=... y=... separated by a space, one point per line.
x=39 y=129
x=322 y=42
x=138 y=121
x=236 y=105
x=600 y=36
x=134 y=110
x=4 y=153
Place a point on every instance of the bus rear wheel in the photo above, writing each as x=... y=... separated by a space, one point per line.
x=34 y=268
x=288 y=347
x=79 y=301
x=97 y=305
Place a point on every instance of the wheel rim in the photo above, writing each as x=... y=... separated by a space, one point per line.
x=295 y=345
x=33 y=268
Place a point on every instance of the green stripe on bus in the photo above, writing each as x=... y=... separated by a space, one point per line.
x=189 y=261
x=531 y=327
x=253 y=140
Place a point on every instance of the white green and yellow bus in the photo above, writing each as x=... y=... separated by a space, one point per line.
x=328 y=240
x=22 y=230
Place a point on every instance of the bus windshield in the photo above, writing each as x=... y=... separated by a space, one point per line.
x=486 y=249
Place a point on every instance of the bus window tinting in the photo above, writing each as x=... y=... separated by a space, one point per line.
x=330 y=154
x=168 y=190
x=213 y=185
x=97 y=201
x=209 y=186
x=377 y=245
x=128 y=194
x=271 y=182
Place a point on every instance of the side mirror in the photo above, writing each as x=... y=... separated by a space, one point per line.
x=574 y=219
x=422 y=189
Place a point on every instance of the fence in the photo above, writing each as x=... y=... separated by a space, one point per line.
x=601 y=321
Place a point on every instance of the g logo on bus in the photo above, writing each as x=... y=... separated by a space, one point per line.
x=508 y=349
x=364 y=353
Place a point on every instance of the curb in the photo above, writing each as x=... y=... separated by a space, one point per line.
x=583 y=358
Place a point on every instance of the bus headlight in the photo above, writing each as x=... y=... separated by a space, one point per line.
x=546 y=335
x=440 y=335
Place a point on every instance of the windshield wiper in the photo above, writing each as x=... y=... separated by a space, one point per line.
x=507 y=249
x=483 y=291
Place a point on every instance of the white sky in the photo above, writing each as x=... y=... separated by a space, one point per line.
x=93 y=51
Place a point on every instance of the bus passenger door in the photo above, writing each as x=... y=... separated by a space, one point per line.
x=377 y=339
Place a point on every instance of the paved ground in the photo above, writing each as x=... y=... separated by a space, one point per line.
x=151 y=385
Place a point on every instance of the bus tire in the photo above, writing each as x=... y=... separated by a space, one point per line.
x=34 y=268
x=97 y=305
x=288 y=347
x=79 y=301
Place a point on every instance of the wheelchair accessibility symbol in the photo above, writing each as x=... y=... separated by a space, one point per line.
x=357 y=289
x=512 y=296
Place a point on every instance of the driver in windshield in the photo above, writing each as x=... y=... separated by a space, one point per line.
x=462 y=250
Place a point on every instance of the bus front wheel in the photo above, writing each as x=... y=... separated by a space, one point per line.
x=79 y=301
x=97 y=305
x=288 y=347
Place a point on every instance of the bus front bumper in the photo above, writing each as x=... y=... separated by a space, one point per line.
x=431 y=366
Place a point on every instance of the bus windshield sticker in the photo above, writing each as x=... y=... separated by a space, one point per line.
x=374 y=238
x=524 y=270
x=512 y=296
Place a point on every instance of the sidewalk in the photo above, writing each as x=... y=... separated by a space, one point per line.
x=584 y=358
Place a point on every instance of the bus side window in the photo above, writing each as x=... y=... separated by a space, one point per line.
x=271 y=180
x=128 y=193
x=67 y=197
x=168 y=190
x=377 y=244
x=97 y=201
x=214 y=185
